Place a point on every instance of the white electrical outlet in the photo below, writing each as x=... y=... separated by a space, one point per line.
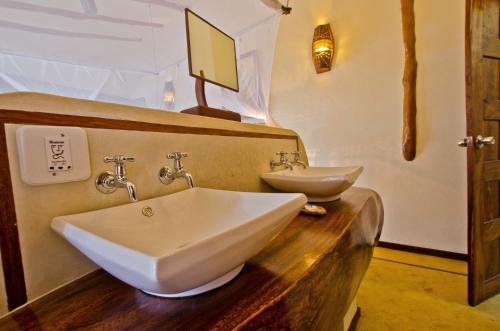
x=58 y=153
x=52 y=154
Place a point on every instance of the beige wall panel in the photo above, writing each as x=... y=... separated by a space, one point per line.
x=230 y=163
x=38 y=102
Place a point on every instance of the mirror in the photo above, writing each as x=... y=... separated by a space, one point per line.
x=212 y=53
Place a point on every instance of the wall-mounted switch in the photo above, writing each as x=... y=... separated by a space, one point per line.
x=52 y=154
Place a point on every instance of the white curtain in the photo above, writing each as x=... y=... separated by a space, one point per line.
x=18 y=73
x=133 y=51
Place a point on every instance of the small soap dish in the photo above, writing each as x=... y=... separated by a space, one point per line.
x=311 y=209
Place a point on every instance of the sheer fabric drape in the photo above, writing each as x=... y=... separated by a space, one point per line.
x=138 y=64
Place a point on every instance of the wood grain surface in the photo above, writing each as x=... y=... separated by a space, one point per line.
x=213 y=112
x=10 y=248
x=483 y=164
x=304 y=280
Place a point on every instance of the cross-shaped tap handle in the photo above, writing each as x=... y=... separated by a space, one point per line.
x=283 y=156
x=296 y=155
x=119 y=159
x=177 y=155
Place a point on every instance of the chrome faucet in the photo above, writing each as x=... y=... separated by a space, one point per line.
x=282 y=162
x=297 y=161
x=107 y=182
x=168 y=175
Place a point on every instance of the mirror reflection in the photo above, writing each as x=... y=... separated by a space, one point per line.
x=212 y=53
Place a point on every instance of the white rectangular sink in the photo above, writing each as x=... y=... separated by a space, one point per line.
x=320 y=184
x=181 y=244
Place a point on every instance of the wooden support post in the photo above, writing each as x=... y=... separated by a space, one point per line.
x=409 y=81
x=199 y=87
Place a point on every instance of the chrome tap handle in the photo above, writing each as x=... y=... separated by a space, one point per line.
x=119 y=159
x=283 y=160
x=283 y=156
x=177 y=155
x=296 y=155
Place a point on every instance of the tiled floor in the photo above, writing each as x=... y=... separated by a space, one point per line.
x=405 y=291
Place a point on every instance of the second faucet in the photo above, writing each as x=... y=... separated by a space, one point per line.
x=167 y=175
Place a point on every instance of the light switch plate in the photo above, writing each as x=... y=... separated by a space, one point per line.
x=52 y=154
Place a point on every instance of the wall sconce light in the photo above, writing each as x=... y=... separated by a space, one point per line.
x=322 y=48
x=169 y=96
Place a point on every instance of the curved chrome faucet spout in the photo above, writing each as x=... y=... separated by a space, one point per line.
x=132 y=192
x=189 y=179
x=300 y=163
x=288 y=165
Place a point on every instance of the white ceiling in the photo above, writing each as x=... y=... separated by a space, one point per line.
x=138 y=35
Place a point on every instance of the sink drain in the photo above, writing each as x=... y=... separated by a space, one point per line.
x=147 y=211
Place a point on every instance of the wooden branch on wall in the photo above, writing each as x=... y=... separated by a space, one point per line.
x=409 y=81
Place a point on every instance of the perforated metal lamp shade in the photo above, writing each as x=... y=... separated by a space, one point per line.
x=322 y=48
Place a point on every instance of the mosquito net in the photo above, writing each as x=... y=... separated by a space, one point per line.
x=133 y=51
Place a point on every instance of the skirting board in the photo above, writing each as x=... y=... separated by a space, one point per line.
x=425 y=251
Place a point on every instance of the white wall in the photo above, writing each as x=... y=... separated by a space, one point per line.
x=353 y=114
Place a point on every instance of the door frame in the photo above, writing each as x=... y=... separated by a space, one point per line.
x=469 y=133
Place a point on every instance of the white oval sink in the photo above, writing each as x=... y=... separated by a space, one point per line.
x=194 y=241
x=320 y=184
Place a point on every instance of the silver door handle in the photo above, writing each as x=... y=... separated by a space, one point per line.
x=466 y=142
x=481 y=141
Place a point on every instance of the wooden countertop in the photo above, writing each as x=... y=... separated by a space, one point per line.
x=304 y=280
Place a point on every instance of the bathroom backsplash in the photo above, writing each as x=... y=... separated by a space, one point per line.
x=215 y=161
